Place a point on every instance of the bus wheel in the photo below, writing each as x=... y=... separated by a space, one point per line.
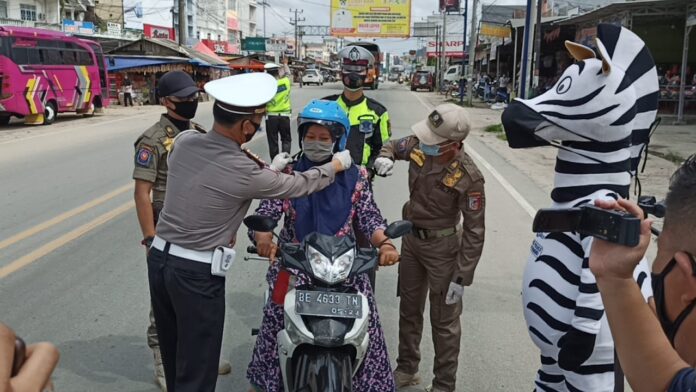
x=4 y=120
x=50 y=113
x=90 y=111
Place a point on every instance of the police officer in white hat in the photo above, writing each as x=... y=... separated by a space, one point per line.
x=212 y=182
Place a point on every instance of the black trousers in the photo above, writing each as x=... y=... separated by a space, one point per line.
x=189 y=307
x=276 y=125
x=127 y=98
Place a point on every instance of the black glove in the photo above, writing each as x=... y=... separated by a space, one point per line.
x=576 y=347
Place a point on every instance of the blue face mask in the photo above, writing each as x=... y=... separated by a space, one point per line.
x=431 y=150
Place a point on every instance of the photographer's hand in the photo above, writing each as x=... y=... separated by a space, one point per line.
x=613 y=261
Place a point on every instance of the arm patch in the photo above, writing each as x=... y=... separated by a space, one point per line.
x=143 y=157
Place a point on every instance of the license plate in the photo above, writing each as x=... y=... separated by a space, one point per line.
x=318 y=303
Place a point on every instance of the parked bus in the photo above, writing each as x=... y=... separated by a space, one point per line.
x=372 y=74
x=45 y=72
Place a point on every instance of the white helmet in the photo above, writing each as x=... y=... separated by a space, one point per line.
x=271 y=67
x=354 y=56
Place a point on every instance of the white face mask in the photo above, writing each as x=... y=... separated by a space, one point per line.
x=317 y=151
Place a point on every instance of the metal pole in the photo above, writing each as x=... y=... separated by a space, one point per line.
x=527 y=48
x=472 y=51
x=514 y=65
x=264 y=4
x=444 y=47
x=537 y=47
x=461 y=76
x=182 y=22
x=437 y=52
x=682 y=84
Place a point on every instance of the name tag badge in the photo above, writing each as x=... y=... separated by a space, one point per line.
x=367 y=128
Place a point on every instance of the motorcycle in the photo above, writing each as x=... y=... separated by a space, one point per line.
x=325 y=336
x=401 y=80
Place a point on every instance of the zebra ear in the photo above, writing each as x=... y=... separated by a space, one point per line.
x=579 y=52
x=606 y=65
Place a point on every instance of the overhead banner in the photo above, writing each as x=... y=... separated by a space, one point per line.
x=495 y=30
x=152 y=31
x=371 y=18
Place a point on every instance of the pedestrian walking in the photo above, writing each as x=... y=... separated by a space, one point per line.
x=212 y=182
x=438 y=258
x=127 y=92
x=278 y=113
x=180 y=98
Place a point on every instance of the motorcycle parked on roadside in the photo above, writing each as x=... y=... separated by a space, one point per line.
x=325 y=336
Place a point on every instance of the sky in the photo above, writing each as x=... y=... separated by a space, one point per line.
x=316 y=12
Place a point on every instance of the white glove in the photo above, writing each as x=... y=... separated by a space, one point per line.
x=384 y=166
x=281 y=161
x=344 y=158
x=454 y=293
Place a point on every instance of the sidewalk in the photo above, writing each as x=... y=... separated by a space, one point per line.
x=674 y=142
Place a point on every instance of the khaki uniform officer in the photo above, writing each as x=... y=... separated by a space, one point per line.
x=440 y=255
x=180 y=97
x=212 y=182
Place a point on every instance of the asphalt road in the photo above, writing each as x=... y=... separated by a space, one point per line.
x=72 y=271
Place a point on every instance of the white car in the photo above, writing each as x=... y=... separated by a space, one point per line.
x=312 y=76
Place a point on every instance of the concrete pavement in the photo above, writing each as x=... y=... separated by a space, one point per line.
x=88 y=291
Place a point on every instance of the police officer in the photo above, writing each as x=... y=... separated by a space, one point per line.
x=446 y=206
x=212 y=182
x=278 y=113
x=180 y=97
x=369 y=120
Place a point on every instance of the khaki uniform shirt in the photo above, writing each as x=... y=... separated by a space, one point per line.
x=151 y=150
x=212 y=183
x=441 y=195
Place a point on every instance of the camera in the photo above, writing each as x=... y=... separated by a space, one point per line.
x=614 y=226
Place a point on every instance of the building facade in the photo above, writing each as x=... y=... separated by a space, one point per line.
x=31 y=13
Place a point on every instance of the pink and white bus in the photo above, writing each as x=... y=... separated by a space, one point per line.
x=45 y=72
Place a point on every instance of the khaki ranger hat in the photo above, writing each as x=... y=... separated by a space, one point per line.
x=447 y=122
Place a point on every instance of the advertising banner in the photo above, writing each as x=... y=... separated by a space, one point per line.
x=454 y=47
x=136 y=13
x=77 y=27
x=222 y=47
x=371 y=18
x=254 y=44
x=152 y=31
x=449 y=5
x=495 y=30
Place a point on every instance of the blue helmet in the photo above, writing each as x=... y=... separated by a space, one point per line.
x=328 y=114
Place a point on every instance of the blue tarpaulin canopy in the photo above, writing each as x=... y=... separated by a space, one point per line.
x=119 y=63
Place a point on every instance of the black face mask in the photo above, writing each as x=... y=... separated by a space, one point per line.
x=353 y=80
x=248 y=138
x=186 y=109
x=658 y=285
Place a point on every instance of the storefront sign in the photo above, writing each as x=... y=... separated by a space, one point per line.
x=77 y=27
x=254 y=44
x=219 y=46
x=113 y=29
x=152 y=31
x=454 y=47
x=495 y=30
x=371 y=18
x=276 y=46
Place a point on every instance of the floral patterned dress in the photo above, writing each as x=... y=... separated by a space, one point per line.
x=375 y=373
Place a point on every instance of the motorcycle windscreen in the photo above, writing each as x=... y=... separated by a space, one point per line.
x=318 y=369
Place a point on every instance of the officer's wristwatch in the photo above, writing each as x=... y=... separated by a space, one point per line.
x=147 y=241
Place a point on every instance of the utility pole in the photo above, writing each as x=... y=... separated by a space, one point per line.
x=527 y=48
x=295 y=22
x=464 y=54
x=443 y=55
x=473 y=37
x=537 y=47
x=264 y=3
x=182 y=22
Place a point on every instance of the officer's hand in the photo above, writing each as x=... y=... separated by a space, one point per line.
x=454 y=293
x=384 y=166
x=388 y=255
x=343 y=159
x=280 y=161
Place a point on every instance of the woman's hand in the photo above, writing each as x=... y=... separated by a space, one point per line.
x=388 y=254
x=265 y=247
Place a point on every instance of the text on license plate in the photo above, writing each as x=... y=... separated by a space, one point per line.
x=317 y=303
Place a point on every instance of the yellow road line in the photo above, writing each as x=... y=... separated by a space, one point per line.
x=66 y=215
x=63 y=240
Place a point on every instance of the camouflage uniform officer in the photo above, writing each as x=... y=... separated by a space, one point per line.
x=446 y=207
x=180 y=96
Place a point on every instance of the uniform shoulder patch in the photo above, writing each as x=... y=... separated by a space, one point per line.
x=454 y=174
x=143 y=157
x=474 y=201
x=418 y=157
x=470 y=167
x=170 y=131
x=198 y=127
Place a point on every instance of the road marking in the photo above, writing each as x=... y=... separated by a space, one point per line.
x=63 y=240
x=62 y=217
x=526 y=206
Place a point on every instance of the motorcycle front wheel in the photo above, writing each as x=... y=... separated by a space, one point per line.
x=318 y=369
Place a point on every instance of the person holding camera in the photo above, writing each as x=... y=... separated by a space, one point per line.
x=656 y=349
x=25 y=368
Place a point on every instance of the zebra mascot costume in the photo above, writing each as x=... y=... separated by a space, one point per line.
x=599 y=115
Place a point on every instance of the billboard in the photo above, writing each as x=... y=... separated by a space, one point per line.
x=454 y=47
x=78 y=27
x=152 y=31
x=371 y=18
x=449 y=5
x=136 y=13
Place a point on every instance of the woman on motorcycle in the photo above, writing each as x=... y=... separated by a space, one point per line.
x=323 y=128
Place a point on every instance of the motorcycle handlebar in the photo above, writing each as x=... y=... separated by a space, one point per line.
x=252 y=249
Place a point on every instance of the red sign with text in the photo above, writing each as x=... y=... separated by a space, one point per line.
x=223 y=47
x=152 y=31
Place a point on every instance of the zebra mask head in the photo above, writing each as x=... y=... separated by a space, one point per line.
x=611 y=99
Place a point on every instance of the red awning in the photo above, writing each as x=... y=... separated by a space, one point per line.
x=201 y=47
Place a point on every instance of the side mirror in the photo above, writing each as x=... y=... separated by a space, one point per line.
x=260 y=223
x=398 y=229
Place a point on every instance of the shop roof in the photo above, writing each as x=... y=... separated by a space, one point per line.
x=164 y=47
x=120 y=63
x=631 y=6
x=519 y=22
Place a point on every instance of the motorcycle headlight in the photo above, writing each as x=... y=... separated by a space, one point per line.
x=329 y=272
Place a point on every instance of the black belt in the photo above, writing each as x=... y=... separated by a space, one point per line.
x=426 y=234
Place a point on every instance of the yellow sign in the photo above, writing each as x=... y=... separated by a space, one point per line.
x=371 y=18
x=493 y=30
